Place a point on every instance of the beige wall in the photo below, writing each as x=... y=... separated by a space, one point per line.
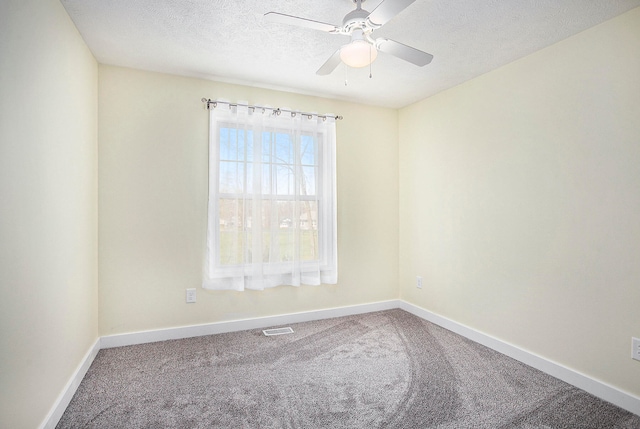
x=48 y=207
x=153 y=132
x=520 y=202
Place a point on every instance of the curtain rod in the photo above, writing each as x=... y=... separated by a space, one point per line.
x=276 y=110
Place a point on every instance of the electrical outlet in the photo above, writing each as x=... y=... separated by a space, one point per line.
x=635 y=348
x=419 y=282
x=191 y=295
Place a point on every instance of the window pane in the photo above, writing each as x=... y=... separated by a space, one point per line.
x=226 y=150
x=308 y=181
x=235 y=144
x=232 y=144
x=293 y=225
x=307 y=150
x=231 y=177
x=298 y=225
x=249 y=180
x=284 y=149
x=309 y=230
x=267 y=183
x=267 y=146
x=232 y=235
x=284 y=179
x=286 y=214
x=249 y=146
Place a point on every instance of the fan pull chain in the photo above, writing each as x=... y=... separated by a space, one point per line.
x=370 y=75
x=346 y=72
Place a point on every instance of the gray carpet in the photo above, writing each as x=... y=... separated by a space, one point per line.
x=387 y=369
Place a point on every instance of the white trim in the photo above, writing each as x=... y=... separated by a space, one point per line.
x=119 y=340
x=63 y=400
x=597 y=388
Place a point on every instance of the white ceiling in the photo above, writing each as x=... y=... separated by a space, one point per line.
x=230 y=41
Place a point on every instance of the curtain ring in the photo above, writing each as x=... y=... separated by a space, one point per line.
x=293 y=114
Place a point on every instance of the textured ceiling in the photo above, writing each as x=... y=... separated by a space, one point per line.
x=231 y=41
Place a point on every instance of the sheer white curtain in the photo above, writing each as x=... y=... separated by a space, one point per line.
x=272 y=199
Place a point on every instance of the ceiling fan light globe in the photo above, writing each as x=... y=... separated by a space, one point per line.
x=358 y=53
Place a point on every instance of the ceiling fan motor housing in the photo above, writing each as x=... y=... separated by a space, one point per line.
x=356 y=19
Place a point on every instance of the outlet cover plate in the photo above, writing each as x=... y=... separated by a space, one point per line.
x=191 y=295
x=419 y=282
x=635 y=348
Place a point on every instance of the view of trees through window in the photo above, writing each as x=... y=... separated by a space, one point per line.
x=283 y=170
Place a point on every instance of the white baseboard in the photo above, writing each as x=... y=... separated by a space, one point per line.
x=69 y=390
x=132 y=338
x=597 y=388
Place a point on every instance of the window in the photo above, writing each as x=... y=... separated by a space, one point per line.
x=272 y=213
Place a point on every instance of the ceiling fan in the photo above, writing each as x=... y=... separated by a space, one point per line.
x=360 y=24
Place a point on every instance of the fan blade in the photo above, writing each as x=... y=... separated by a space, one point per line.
x=387 y=10
x=404 y=52
x=300 y=22
x=330 y=65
